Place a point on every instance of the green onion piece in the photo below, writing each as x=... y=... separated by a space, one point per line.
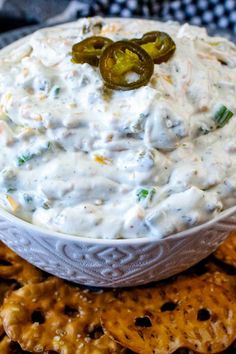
x=56 y=91
x=142 y=194
x=145 y=193
x=46 y=206
x=29 y=156
x=204 y=131
x=24 y=158
x=222 y=116
x=11 y=190
x=48 y=146
x=28 y=198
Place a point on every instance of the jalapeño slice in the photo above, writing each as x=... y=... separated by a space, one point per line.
x=89 y=50
x=124 y=65
x=159 y=45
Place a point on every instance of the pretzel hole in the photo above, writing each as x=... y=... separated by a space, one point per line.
x=70 y=311
x=38 y=316
x=16 y=285
x=3 y=262
x=14 y=348
x=143 y=321
x=168 y=306
x=201 y=269
x=203 y=315
x=96 y=333
x=227 y=268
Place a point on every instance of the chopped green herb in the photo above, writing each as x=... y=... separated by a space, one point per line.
x=143 y=115
x=145 y=193
x=138 y=126
x=28 y=198
x=97 y=27
x=56 y=91
x=29 y=156
x=142 y=194
x=11 y=190
x=43 y=85
x=46 y=206
x=204 y=131
x=24 y=158
x=222 y=116
x=48 y=146
x=86 y=28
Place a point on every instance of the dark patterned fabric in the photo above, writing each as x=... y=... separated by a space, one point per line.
x=211 y=13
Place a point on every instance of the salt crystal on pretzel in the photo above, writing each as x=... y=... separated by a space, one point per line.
x=226 y=252
x=14 y=267
x=198 y=313
x=53 y=315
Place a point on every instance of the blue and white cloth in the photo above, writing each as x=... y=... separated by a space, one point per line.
x=211 y=13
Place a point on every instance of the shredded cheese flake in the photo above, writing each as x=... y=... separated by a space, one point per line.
x=102 y=160
x=12 y=203
x=168 y=78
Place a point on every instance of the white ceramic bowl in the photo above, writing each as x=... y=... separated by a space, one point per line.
x=112 y=263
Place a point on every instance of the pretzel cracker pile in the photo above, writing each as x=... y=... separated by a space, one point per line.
x=194 y=312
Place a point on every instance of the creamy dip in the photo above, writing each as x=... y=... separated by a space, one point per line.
x=82 y=159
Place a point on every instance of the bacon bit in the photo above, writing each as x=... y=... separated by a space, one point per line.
x=13 y=204
x=30 y=90
x=102 y=160
x=203 y=106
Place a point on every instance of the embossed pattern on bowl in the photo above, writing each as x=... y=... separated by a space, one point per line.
x=113 y=263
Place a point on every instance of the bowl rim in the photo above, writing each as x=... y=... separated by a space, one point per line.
x=93 y=240
x=108 y=241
